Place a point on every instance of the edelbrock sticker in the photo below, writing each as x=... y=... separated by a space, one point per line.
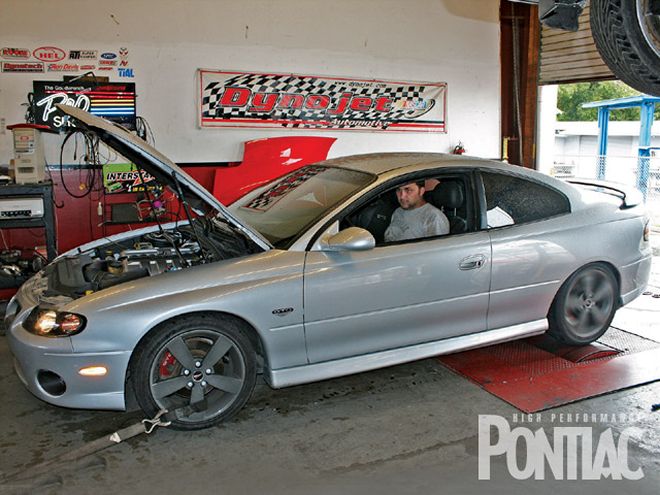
x=15 y=53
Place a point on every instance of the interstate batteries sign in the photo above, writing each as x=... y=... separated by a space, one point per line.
x=126 y=178
x=257 y=100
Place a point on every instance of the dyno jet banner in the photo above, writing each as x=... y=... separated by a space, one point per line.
x=258 y=100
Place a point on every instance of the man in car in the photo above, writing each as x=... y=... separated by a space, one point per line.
x=415 y=218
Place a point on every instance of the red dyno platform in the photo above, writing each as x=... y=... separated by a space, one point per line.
x=538 y=373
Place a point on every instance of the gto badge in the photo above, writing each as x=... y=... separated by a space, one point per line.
x=282 y=311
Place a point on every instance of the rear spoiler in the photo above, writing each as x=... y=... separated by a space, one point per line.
x=630 y=196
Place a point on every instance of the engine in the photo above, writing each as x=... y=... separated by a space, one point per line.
x=144 y=256
x=147 y=257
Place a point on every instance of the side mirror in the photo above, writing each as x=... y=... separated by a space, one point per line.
x=350 y=239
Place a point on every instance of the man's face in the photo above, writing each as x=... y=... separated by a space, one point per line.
x=410 y=196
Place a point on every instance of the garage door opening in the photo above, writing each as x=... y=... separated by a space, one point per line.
x=601 y=130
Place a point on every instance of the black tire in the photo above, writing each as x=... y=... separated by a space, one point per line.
x=629 y=43
x=585 y=305
x=202 y=367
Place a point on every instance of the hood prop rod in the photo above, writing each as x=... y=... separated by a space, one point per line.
x=160 y=226
x=186 y=208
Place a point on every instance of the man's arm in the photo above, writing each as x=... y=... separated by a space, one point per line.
x=394 y=232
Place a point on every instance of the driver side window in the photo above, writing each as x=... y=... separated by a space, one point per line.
x=443 y=192
x=375 y=216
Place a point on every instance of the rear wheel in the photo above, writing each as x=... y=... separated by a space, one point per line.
x=201 y=368
x=585 y=305
x=627 y=35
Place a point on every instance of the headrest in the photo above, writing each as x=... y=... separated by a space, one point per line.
x=446 y=194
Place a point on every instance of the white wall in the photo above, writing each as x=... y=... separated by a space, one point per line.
x=455 y=41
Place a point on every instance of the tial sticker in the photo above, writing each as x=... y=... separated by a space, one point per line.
x=125 y=72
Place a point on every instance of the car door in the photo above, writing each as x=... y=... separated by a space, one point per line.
x=526 y=222
x=395 y=295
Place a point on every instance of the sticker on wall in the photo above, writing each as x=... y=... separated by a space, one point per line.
x=9 y=53
x=126 y=178
x=49 y=54
x=260 y=100
x=83 y=54
x=87 y=67
x=125 y=72
x=123 y=53
x=63 y=67
x=108 y=56
x=108 y=63
x=22 y=67
x=105 y=68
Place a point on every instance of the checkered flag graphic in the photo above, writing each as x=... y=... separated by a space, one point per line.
x=408 y=101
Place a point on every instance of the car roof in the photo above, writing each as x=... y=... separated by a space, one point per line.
x=387 y=164
x=382 y=163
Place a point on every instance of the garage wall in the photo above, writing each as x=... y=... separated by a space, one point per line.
x=420 y=40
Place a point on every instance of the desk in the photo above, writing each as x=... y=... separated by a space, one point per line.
x=45 y=192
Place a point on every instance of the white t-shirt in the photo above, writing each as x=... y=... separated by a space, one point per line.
x=425 y=221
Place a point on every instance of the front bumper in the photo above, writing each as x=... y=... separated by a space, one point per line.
x=36 y=357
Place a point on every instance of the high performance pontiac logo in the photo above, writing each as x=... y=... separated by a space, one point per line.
x=289 y=100
x=564 y=453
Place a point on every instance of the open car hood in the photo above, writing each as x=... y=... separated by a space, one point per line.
x=152 y=161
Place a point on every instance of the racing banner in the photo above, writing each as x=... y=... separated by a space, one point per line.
x=260 y=100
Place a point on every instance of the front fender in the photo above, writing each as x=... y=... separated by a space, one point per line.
x=255 y=288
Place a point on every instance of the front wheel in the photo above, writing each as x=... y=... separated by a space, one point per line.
x=201 y=368
x=585 y=305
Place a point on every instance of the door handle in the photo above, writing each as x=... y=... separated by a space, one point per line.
x=472 y=262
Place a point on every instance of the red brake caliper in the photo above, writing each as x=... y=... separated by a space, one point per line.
x=167 y=365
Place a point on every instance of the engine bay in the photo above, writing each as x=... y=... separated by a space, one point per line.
x=159 y=251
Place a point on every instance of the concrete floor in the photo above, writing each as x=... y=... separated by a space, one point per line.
x=408 y=429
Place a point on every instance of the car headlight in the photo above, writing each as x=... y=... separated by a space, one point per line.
x=50 y=323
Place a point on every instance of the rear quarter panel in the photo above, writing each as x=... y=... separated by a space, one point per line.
x=532 y=261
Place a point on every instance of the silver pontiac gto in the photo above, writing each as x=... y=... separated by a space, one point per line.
x=296 y=280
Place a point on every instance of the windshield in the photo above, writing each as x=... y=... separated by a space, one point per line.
x=281 y=211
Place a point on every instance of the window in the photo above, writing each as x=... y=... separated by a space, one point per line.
x=513 y=200
x=448 y=193
x=283 y=210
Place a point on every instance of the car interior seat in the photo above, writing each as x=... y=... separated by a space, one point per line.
x=449 y=197
x=375 y=217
